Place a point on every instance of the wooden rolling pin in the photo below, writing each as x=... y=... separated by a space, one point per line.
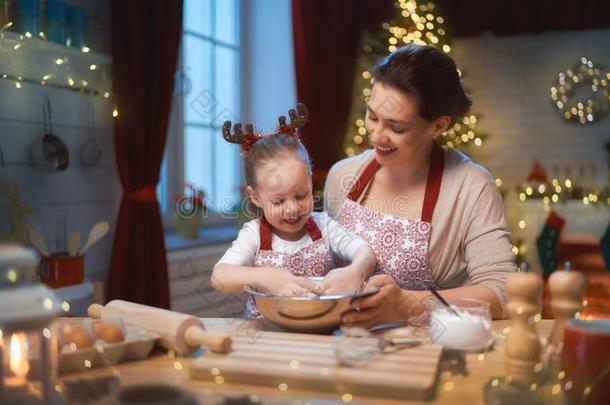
x=179 y=332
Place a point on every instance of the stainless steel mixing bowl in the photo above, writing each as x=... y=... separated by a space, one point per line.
x=317 y=314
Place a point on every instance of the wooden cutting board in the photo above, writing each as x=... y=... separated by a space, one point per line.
x=292 y=360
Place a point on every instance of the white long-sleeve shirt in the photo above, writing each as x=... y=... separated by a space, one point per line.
x=244 y=249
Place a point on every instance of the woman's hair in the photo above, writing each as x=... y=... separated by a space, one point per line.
x=276 y=147
x=429 y=76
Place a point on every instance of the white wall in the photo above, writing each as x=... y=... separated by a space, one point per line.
x=268 y=76
x=87 y=195
x=510 y=79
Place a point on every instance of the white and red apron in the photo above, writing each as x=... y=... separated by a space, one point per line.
x=313 y=259
x=401 y=245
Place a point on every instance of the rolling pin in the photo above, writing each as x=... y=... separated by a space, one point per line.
x=179 y=332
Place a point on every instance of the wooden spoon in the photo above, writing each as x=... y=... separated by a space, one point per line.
x=37 y=240
x=97 y=232
x=74 y=243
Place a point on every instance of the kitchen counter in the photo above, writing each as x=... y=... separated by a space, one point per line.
x=461 y=378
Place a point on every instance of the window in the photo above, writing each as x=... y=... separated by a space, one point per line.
x=207 y=94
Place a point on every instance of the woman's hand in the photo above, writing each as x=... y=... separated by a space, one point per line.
x=390 y=303
x=282 y=282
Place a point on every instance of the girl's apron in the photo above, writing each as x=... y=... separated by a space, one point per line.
x=312 y=260
x=401 y=245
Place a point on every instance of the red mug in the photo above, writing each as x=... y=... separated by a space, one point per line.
x=586 y=360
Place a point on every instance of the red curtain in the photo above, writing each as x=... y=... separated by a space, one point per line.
x=326 y=40
x=145 y=41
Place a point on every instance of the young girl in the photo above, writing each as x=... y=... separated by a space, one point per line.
x=288 y=240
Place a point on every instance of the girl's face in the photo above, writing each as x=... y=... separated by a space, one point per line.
x=284 y=193
x=396 y=130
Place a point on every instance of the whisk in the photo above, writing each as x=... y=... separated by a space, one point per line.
x=356 y=345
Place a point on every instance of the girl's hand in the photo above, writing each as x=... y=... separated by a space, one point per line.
x=390 y=303
x=282 y=282
x=343 y=280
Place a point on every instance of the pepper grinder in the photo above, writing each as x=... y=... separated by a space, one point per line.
x=523 y=347
x=567 y=289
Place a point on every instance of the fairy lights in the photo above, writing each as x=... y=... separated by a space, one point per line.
x=416 y=23
x=585 y=74
x=63 y=73
x=555 y=193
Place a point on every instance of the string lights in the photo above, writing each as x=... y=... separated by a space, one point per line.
x=12 y=43
x=564 y=191
x=587 y=74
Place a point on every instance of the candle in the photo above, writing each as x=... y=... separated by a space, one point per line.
x=16 y=385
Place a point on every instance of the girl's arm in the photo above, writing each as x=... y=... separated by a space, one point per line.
x=353 y=249
x=236 y=267
x=363 y=261
x=233 y=278
x=349 y=279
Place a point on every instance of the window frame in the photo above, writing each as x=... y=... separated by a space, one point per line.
x=174 y=150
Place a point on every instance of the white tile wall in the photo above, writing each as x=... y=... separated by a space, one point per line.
x=86 y=194
x=509 y=79
x=190 y=286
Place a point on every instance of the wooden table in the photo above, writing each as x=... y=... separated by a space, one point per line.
x=461 y=379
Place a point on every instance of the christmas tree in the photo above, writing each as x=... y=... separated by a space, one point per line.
x=416 y=22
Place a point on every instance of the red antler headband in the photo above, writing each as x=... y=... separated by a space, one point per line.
x=298 y=118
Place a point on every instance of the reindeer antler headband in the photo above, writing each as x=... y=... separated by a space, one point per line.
x=298 y=118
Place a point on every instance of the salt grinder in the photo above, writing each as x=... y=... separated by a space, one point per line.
x=567 y=289
x=523 y=348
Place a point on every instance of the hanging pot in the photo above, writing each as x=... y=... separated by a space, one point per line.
x=49 y=152
x=90 y=151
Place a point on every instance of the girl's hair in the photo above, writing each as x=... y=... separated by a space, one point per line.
x=273 y=147
x=429 y=76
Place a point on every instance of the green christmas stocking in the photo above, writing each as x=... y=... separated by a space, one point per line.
x=604 y=246
x=546 y=242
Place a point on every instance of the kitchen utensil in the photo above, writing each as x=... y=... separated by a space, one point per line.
x=180 y=332
x=61 y=270
x=97 y=232
x=49 y=152
x=62 y=234
x=382 y=327
x=74 y=243
x=354 y=346
x=310 y=314
x=567 y=288
x=306 y=361
x=90 y=151
x=441 y=299
x=37 y=239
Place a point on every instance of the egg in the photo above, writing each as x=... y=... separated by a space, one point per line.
x=80 y=338
x=109 y=332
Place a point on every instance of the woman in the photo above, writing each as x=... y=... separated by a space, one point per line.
x=433 y=217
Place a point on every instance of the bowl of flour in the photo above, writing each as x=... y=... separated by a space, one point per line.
x=467 y=327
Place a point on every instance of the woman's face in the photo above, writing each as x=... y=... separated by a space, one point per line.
x=284 y=193
x=396 y=130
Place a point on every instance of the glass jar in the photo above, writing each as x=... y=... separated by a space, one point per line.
x=466 y=326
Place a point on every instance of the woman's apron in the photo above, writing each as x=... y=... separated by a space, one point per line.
x=312 y=260
x=401 y=245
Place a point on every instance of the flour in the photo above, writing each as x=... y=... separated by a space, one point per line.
x=467 y=332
